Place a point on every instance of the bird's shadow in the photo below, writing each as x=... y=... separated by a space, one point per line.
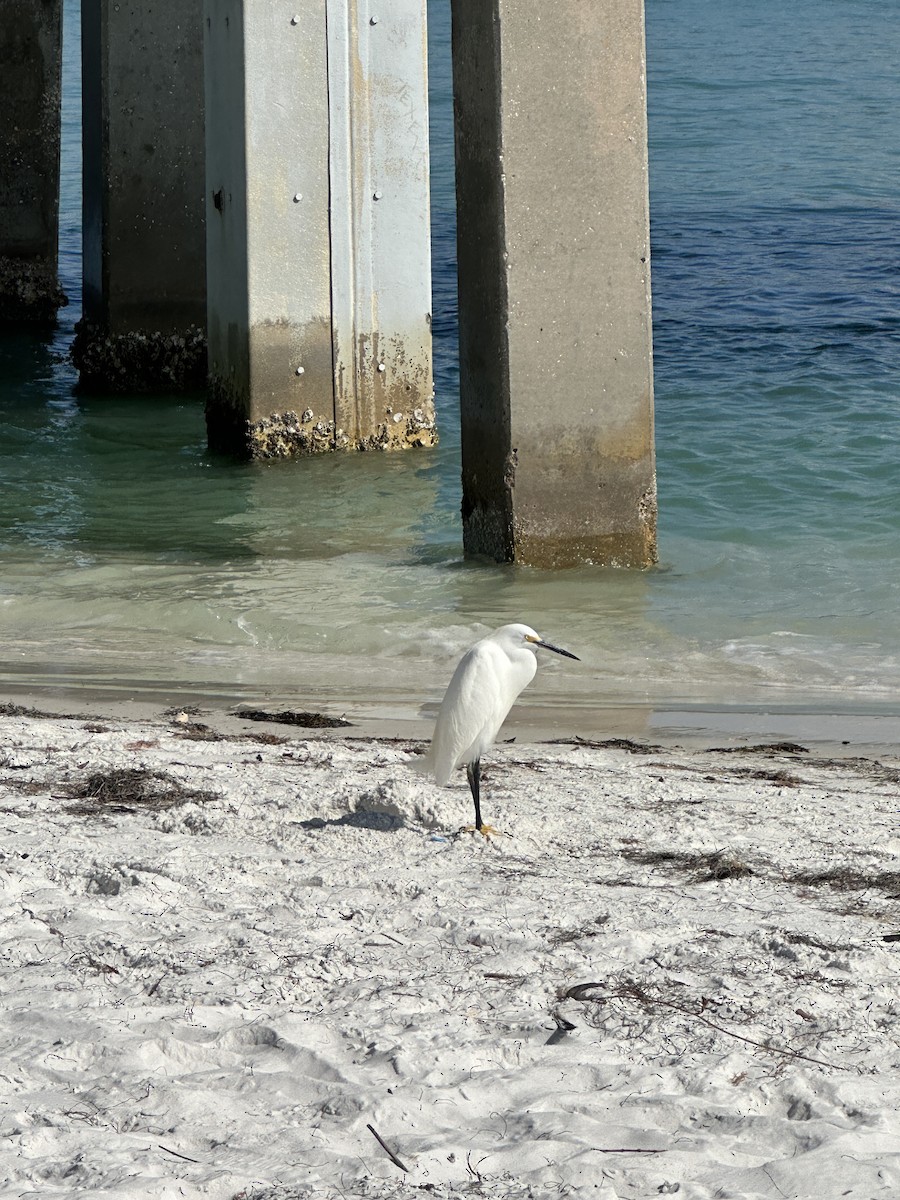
x=384 y=822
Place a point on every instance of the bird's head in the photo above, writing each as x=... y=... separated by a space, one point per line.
x=519 y=635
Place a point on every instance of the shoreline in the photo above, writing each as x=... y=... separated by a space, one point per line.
x=853 y=730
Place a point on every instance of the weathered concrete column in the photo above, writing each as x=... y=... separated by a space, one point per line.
x=318 y=253
x=144 y=242
x=554 y=281
x=30 y=66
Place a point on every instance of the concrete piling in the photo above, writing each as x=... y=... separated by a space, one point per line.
x=144 y=247
x=30 y=67
x=554 y=282
x=269 y=338
x=317 y=226
x=380 y=221
x=256 y=185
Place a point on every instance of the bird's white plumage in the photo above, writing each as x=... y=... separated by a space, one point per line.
x=483 y=689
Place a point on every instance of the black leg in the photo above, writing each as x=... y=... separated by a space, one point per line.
x=473 y=771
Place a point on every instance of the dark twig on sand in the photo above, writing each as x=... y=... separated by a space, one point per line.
x=634 y=991
x=628 y=1150
x=386 y=1148
x=177 y=1155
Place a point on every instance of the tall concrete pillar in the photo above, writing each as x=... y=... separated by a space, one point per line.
x=144 y=243
x=554 y=281
x=318 y=253
x=30 y=66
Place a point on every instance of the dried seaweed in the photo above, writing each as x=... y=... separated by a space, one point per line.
x=712 y=866
x=196 y=731
x=129 y=790
x=615 y=743
x=307 y=720
x=761 y=748
x=848 y=879
x=8 y=709
x=780 y=778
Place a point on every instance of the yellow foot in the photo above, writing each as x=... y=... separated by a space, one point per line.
x=486 y=831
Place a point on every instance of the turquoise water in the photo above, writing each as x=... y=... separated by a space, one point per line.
x=135 y=559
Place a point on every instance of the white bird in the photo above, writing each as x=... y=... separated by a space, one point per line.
x=483 y=689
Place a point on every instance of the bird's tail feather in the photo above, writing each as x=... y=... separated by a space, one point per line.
x=423 y=764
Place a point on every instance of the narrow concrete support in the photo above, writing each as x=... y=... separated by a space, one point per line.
x=144 y=242
x=318 y=254
x=30 y=66
x=554 y=282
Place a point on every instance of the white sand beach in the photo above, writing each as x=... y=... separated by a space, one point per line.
x=267 y=965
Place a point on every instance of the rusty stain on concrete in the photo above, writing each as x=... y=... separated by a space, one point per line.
x=387 y=402
x=566 y=497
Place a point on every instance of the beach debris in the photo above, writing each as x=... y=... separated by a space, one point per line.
x=386 y=1148
x=653 y=999
x=177 y=1154
x=711 y=866
x=183 y=712
x=307 y=720
x=9 y=709
x=614 y=743
x=779 y=778
x=848 y=879
x=196 y=731
x=561 y=937
x=761 y=748
x=129 y=790
x=264 y=738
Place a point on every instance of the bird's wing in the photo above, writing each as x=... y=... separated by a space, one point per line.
x=473 y=709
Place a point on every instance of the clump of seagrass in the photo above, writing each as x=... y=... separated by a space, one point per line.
x=130 y=790
x=761 y=748
x=306 y=720
x=846 y=879
x=8 y=709
x=560 y=937
x=713 y=866
x=616 y=743
x=781 y=778
x=196 y=731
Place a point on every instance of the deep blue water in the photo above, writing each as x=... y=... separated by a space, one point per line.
x=132 y=554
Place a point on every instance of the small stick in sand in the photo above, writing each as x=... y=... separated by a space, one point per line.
x=177 y=1155
x=629 y=1150
x=582 y=992
x=386 y=1148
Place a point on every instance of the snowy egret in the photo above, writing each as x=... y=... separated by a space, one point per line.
x=483 y=689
